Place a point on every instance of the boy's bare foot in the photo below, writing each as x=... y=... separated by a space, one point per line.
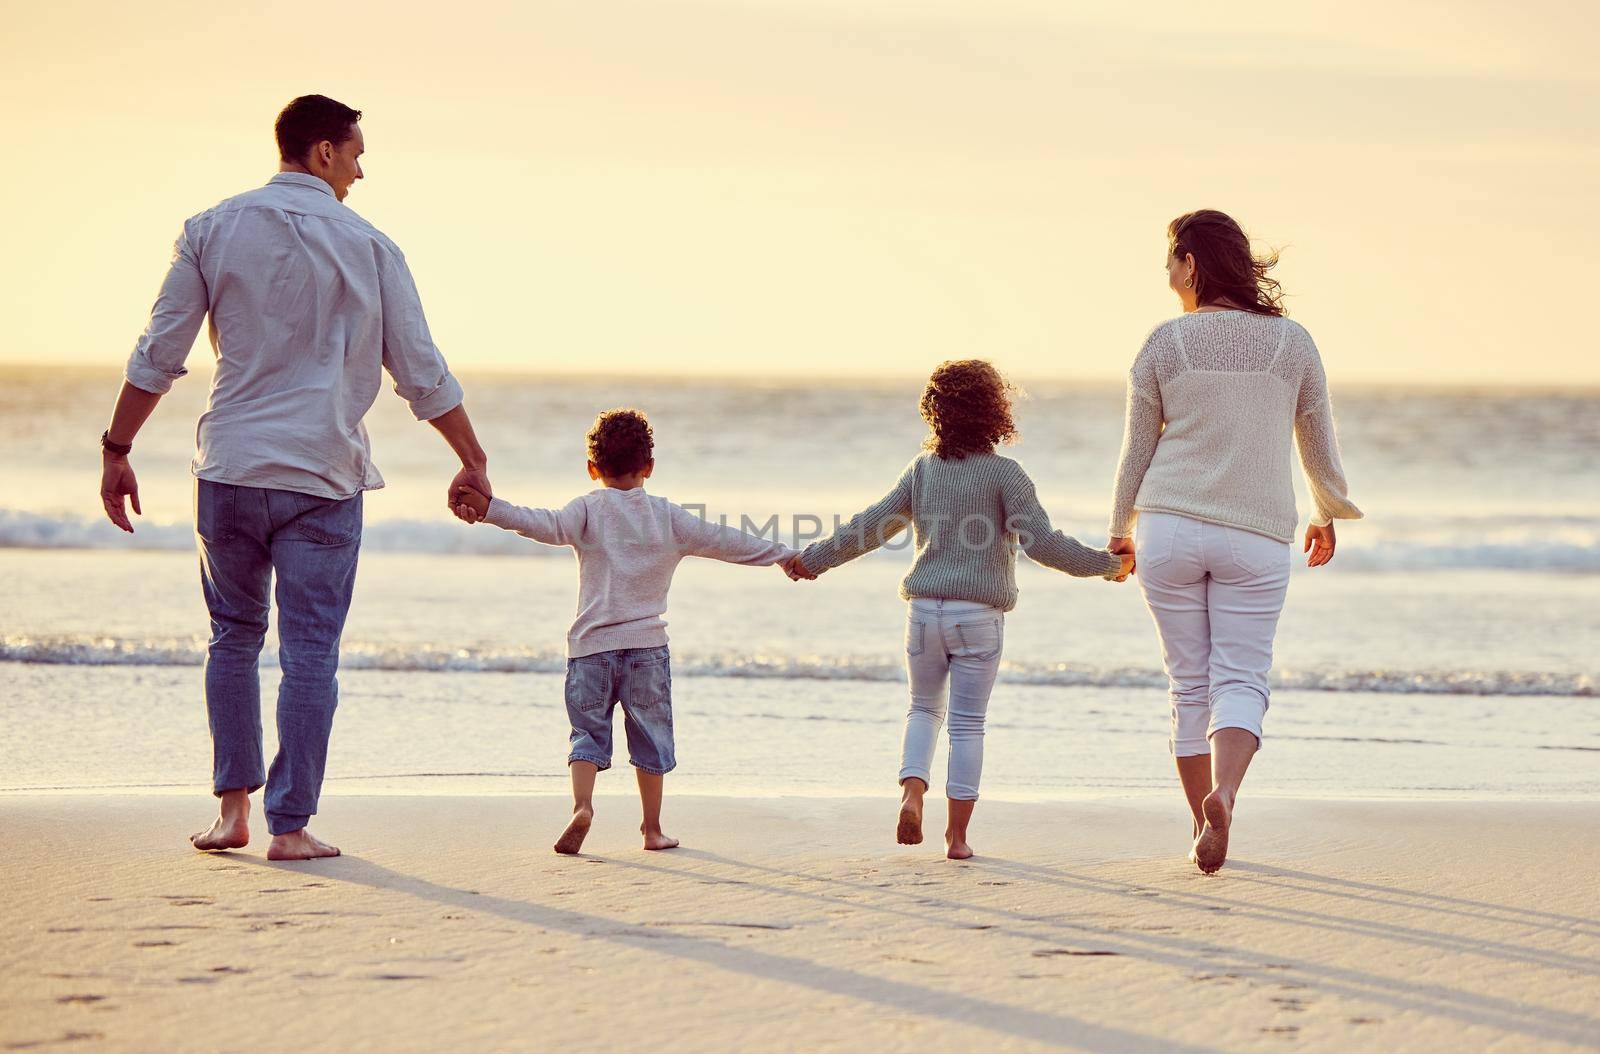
x=958 y=850
x=224 y=833
x=299 y=845
x=655 y=839
x=1211 y=848
x=571 y=839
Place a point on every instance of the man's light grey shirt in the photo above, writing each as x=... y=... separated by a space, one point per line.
x=308 y=303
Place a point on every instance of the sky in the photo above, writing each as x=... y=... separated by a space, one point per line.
x=820 y=188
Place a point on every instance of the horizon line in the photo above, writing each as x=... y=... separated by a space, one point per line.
x=796 y=379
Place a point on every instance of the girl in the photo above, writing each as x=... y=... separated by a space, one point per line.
x=969 y=509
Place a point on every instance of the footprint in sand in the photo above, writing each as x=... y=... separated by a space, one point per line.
x=155 y=944
x=65 y=1037
x=1045 y=953
x=66 y=999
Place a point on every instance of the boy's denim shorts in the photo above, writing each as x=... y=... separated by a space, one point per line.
x=641 y=680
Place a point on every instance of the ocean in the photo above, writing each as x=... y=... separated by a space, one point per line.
x=1449 y=650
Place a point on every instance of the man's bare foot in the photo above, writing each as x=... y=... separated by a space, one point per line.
x=231 y=830
x=225 y=833
x=571 y=839
x=957 y=849
x=299 y=845
x=1211 y=848
x=655 y=839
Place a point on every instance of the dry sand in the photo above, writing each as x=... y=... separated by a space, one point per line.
x=799 y=924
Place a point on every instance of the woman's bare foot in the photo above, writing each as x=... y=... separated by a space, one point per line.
x=655 y=839
x=909 y=830
x=571 y=839
x=231 y=830
x=1211 y=848
x=299 y=845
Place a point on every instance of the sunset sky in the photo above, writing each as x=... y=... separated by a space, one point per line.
x=781 y=187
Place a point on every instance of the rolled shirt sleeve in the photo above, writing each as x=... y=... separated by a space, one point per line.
x=180 y=307
x=420 y=374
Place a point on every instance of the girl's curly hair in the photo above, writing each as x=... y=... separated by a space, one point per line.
x=621 y=442
x=967 y=404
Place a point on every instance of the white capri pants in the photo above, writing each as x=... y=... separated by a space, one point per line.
x=1215 y=593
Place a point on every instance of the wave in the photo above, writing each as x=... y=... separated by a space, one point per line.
x=111 y=651
x=1556 y=544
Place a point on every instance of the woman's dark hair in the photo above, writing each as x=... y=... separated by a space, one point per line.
x=621 y=443
x=309 y=120
x=967 y=404
x=1224 y=267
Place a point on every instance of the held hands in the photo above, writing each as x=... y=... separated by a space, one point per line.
x=1320 y=543
x=795 y=568
x=1123 y=547
x=469 y=504
x=474 y=479
x=117 y=482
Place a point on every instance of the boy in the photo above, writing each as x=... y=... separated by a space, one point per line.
x=628 y=544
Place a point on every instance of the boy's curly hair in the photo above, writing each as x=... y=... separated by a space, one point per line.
x=621 y=442
x=967 y=404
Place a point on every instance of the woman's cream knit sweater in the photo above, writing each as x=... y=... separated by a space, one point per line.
x=1213 y=399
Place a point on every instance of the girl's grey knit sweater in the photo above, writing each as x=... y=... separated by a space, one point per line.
x=968 y=518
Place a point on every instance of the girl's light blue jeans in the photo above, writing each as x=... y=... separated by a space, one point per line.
x=954 y=645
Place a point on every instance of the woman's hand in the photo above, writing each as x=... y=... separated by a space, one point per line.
x=1320 y=543
x=1123 y=547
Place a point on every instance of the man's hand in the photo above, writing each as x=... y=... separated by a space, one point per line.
x=476 y=479
x=796 y=569
x=1123 y=547
x=1320 y=543
x=117 y=482
x=469 y=504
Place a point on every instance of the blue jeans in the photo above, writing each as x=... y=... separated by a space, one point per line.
x=247 y=535
x=641 y=680
x=954 y=643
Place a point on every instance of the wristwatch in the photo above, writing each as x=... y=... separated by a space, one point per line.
x=111 y=447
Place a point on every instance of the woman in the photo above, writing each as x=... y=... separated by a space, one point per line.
x=1213 y=399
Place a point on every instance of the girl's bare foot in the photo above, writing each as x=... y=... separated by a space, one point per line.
x=571 y=839
x=959 y=811
x=1211 y=848
x=231 y=830
x=909 y=830
x=655 y=839
x=299 y=845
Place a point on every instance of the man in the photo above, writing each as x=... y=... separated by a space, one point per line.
x=308 y=303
